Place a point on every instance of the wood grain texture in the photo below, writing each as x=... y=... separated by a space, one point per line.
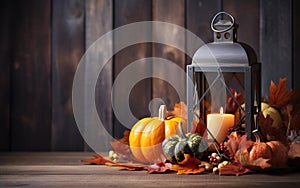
x=68 y=47
x=171 y=12
x=246 y=14
x=65 y=170
x=99 y=21
x=126 y=12
x=5 y=61
x=31 y=89
x=275 y=42
x=199 y=14
x=296 y=44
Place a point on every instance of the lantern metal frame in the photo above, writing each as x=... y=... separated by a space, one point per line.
x=248 y=67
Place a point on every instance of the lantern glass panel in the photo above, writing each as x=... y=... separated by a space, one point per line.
x=224 y=75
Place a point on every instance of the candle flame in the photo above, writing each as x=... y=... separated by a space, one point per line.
x=221 y=110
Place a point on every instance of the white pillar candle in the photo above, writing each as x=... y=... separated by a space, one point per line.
x=219 y=124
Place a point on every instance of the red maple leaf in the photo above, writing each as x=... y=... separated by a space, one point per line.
x=234 y=169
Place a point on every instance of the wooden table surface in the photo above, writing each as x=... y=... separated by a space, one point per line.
x=65 y=170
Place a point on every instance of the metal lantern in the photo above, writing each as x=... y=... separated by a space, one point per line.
x=224 y=70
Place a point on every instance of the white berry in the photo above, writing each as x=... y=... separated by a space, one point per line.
x=214 y=155
x=110 y=153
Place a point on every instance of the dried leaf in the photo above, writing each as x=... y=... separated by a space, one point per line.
x=295 y=121
x=265 y=124
x=240 y=148
x=234 y=169
x=294 y=150
x=188 y=169
x=295 y=101
x=121 y=146
x=278 y=95
x=180 y=110
x=233 y=142
x=192 y=166
x=260 y=163
x=231 y=105
x=128 y=166
x=269 y=132
x=159 y=168
x=98 y=160
x=294 y=109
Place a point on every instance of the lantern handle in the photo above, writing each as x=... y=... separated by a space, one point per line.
x=223 y=30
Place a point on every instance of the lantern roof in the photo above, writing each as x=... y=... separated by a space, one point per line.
x=224 y=50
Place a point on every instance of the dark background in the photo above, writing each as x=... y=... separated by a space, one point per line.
x=42 y=42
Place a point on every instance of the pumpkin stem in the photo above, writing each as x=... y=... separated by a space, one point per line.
x=162 y=111
x=182 y=135
x=256 y=135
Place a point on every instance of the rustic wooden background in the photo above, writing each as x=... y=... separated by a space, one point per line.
x=43 y=41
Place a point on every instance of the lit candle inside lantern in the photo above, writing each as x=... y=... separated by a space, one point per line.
x=219 y=124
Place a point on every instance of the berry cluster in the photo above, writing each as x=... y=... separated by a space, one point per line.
x=225 y=152
x=216 y=162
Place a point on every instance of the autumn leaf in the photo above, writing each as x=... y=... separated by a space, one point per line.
x=128 y=166
x=191 y=166
x=234 y=169
x=121 y=146
x=159 y=168
x=269 y=132
x=265 y=124
x=233 y=142
x=259 y=163
x=231 y=105
x=180 y=110
x=278 y=95
x=294 y=150
x=98 y=160
x=293 y=111
x=188 y=169
x=295 y=101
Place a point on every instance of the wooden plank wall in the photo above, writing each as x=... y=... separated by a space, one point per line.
x=5 y=79
x=67 y=49
x=171 y=12
x=276 y=41
x=43 y=41
x=126 y=12
x=30 y=105
x=98 y=21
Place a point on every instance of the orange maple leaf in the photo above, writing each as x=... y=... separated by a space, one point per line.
x=127 y=166
x=191 y=166
x=188 y=169
x=180 y=110
x=278 y=95
x=98 y=160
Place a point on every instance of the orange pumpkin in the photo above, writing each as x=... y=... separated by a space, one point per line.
x=147 y=135
x=275 y=151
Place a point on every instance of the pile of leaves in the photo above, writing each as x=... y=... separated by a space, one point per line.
x=235 y=149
